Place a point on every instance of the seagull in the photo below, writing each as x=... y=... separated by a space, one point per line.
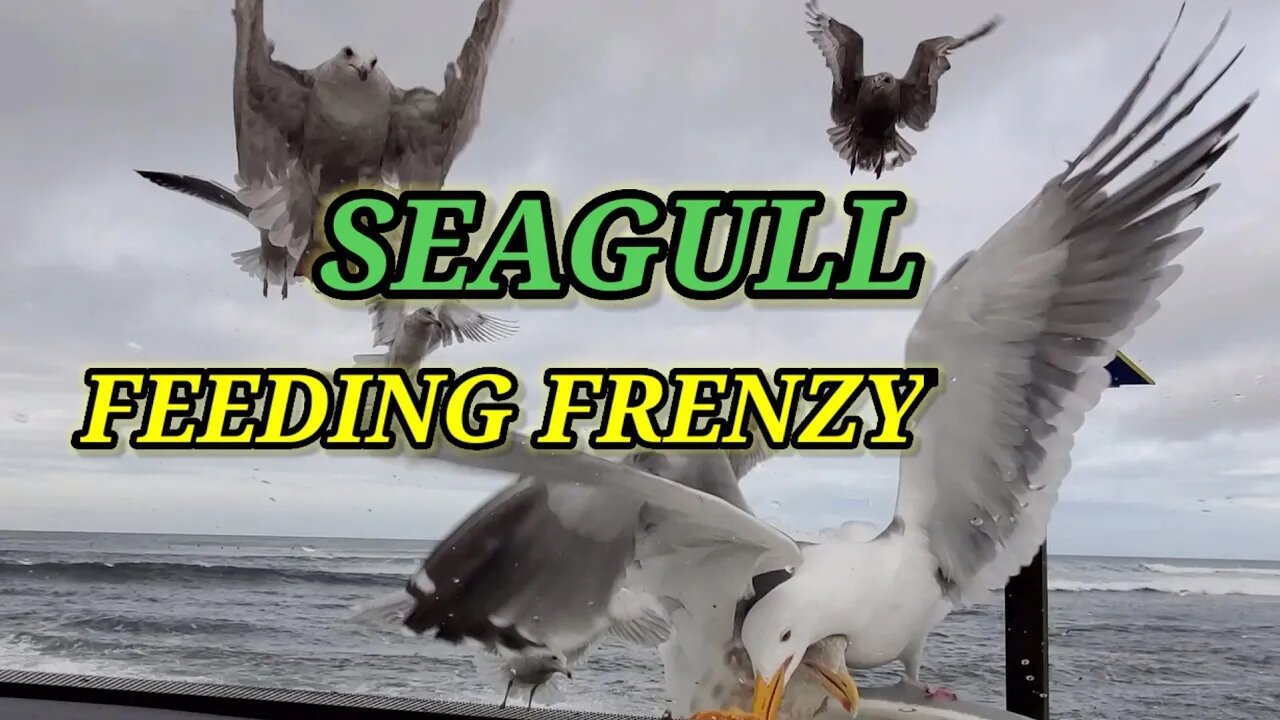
x=868 y=109
x=530 y=673
x=410 y=337
x=1023 y=327
x=637 y=619
x=305 y=135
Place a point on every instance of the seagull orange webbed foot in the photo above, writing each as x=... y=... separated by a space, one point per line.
x=939 y=693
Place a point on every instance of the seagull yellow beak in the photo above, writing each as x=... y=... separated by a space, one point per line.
x=768 y=694
x=841 y=686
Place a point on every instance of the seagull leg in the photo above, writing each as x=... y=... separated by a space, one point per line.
x=933 y=692
x=532 y=691
x=911 y=675
x=264 y=284
x=507 y=694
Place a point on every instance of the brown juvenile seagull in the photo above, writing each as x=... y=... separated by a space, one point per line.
x=303 y=136
x=869 y=109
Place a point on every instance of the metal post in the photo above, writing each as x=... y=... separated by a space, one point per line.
x=1026 y=648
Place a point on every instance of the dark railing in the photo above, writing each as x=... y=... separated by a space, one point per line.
x=1026 y=641
x=1026 y=606
x=46 y=696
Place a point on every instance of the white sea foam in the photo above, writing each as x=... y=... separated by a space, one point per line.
x=21 y=653
x=1209 y=570
x=1191 y=585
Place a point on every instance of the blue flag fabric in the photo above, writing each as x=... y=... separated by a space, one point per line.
x=1126 y=372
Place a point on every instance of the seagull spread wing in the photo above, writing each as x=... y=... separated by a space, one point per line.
x=460 y=322
x=210 y=191
x=541 y=561
x=841 y=46
x=270 y=102
x=919 y=87
x=268 y=99
x=638 y=619
x=428 y=129
x=1023 y=328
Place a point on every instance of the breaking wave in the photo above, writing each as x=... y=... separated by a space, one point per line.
x=127 y=572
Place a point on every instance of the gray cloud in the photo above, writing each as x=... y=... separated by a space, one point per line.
x=103 y=267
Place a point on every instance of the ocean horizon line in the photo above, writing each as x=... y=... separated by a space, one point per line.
x=1066 y=556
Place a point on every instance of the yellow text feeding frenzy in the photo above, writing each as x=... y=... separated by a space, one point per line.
x=373 y=409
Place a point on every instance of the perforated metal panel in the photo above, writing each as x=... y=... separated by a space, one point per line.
x=257 y=702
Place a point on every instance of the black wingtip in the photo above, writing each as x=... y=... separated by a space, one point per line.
x=166 y=180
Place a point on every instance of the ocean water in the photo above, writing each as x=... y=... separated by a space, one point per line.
x=1132 y=637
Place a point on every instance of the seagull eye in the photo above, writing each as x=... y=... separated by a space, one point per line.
x=785 y=636
x=373 y=63
x=348 y=52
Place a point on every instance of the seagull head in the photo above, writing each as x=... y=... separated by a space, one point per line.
x=557 y=663
x=350 y=62
x=881 y=82
x=424 y=316
x=777 y=633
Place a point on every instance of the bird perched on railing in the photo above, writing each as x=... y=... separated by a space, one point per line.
x=632 y=617
x=868 y=109
x=635 y=618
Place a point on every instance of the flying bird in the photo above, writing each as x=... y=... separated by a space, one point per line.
x=411 y=336
x=1024 y=326
x=304 y=136
x=868 y=109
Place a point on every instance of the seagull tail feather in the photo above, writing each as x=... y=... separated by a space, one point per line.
x=267 y=265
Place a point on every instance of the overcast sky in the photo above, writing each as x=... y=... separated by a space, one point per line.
x=102 y=267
